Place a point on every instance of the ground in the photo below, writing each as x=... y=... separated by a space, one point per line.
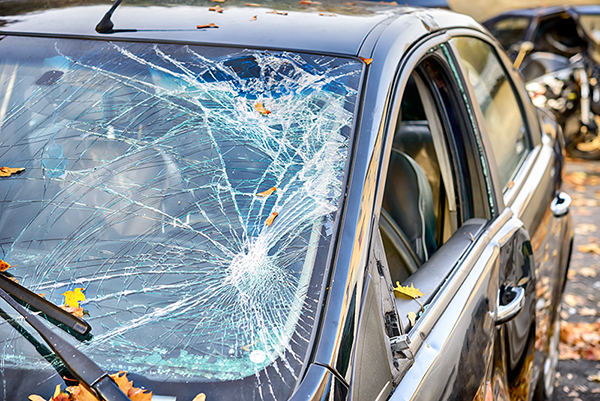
x=579 y=379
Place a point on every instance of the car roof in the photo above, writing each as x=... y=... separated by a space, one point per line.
x=326 y=26
x=542 y=11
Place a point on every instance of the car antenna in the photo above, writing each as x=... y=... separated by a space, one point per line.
x=105 y=25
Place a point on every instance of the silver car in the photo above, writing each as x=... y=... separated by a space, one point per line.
x=305 y=201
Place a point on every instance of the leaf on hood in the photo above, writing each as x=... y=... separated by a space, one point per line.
x=271 y=218
x=277 y=12
x=211 y=25
x=308 y=2
x=216 y=8
x=218 y=1
x=200 y=397
x=261 y=109
x=72 y=298
x=589 y=248
x=253 y=18
x=252 y=5
x=328 y=15
x=5 y=266
x=266 y=193
x=8 y=171
x=407 y=291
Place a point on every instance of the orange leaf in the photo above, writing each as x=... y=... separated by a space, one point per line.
x=253 y=18
x=8 y=171
x=78 y=312
x=218 y=1
x=252 y=5
x=308 y=2
x=261 y=109
x=271 y=218
x=266 y=193
x=367 y=60
x=121 y=379
x=5 y=266
x=216 y=8
x=80 y=393
x=72 y=298
x=407 y=291
x=327 y=15
x=35 y=397
x=277 y=12
x=200 y=397
x=211 y=25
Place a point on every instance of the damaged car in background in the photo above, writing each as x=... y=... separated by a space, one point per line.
x=200 y=203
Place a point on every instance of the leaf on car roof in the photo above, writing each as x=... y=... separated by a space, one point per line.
x=266 y=193
x=328 y=15
x=200 y=397
x=271 y=218
x=253 y=18
x=8 y=171
x=218 y=1
x=252 y=5
x=72 y=298
x=4 y=266
x=211 y=25
x=367 y=60
x=216 y=8
x=277 y=12
x=407 y=291
x=308 y=2
x=589 y=248
x=261 y=109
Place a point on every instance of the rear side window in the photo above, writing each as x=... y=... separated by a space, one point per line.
x=500 y=108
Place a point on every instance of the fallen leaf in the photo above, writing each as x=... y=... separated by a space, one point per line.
x=328 y=15
x=587 y=312
x=200 y=397
x=510 y=184
x=594 y=378
x=271 y=218
x=5 y=266
x=35 y=397
x=410 y=292
x=8 y=171
x=589 y=248
x=80 y=393
x=253 y=18
x=584 y=229
x=412 y=318
x=211 y=25
x=349 y=4
x=261 y=109
x=580 y=341
x=308 y=2
x=216 y=8
x=277 y=12
x=587 y=272
x=72 y=298
x=252 y=5
x=126 y=386
x=77 y=312
x=218 y=1
x=266 y=193
x=367 y=60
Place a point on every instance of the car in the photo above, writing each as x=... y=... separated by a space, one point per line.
x=341 y=201
x=561 y=30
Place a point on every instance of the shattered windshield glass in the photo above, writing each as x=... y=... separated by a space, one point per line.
x=191 y=193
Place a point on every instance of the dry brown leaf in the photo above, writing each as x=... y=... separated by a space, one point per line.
x=412 y=318
x=266 y=193
x=261 y=109
x=5 y=266
x=308 y=2
x=216 y=8
x=277 y=12
x=200 y=397
x=580 y=341
x=367 y=61
x=253 y=18
x=589 y=248
x=211 y=25
x=8 y=171
x=271 y=218
x=407 y=291
x=252 y=5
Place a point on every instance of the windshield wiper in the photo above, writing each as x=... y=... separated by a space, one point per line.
x=60 y=315
x=96 y=380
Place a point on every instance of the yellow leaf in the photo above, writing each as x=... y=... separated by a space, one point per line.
x=8 y=171
x=266 y=193
x=589 y=248
x=5 y=266
x=261 y=109
x=200 y=397
x=271 y=218
x=56 y=391
x=412 y=317
x=205 y=26
x=35 y=397
x=407 y=291
x=72 y=298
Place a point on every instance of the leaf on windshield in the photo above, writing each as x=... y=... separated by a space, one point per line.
x=266 y=193
x=261 y=109
x=253 y=18
x=5 y=266
x=8 y=171
x=271 y=218
x=407 y=291
x=200 y=397
x=126 y=386
x=216 y=8
x=72 y=298
x=77 y=312
x=211 y=25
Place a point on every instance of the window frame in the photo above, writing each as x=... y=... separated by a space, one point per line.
x=505 y=197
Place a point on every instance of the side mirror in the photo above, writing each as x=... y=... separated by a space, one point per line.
x=525 y=48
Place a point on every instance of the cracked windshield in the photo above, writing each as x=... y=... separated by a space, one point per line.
x=184 y=195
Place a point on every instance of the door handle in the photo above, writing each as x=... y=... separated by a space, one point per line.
x=560 y=204
x=508 y=312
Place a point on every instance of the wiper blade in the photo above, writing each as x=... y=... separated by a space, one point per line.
x=20 y=292
x=96 y=380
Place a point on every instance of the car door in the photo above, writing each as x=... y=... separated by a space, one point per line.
x=443 y=228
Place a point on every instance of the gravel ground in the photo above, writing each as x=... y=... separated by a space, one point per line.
x=581 y=301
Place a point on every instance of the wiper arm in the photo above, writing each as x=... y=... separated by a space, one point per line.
x=76 y=324
x=96 y=380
